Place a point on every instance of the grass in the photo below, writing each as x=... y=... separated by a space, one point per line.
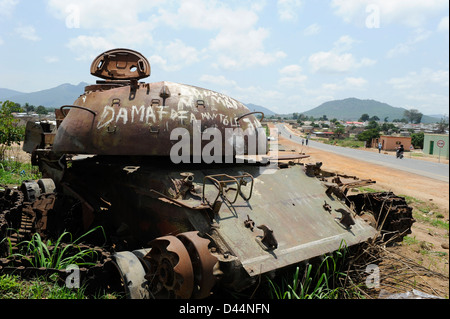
x=59 y=254
x=13 y=287
x=327 y=281
x=14 y=172
x=347 y=142
x=55 y=255
x=426 y=212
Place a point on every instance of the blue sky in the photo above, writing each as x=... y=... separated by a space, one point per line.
x=286 y=55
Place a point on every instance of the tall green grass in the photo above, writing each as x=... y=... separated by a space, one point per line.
x=58 y=254
x=327 y=281
x=14 y=172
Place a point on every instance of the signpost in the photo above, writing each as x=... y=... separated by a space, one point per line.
x=440 y=144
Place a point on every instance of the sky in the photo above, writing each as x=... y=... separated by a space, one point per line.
x=286 y=55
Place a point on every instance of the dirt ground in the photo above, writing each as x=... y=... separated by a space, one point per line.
x=427 y=247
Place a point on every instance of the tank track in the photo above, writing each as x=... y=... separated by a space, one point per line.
x=389 y=213
x=20 y=220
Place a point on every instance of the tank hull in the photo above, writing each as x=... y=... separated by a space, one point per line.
x=142 y=200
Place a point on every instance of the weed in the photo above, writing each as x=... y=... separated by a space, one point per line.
x=328 y=281
x=12 y=287
x=14 y=172
x=57 y=255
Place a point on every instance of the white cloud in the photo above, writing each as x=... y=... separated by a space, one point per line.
x=217 y=80
x=27 y=32
x=291 y=76
x=443 y=25
x=235 y=39
x=408 y=46
x=105 y=25
x=175 y=55
x=418 y=81
x=287 y=9
x=88 y=47
x=243 y=49
x=355 y=82
x=349 y=83
x=412 y=13
x=96 y=14
x=7 y=7
x=237 y=43
x=344 y=43
x=51 y=59
x=337 y=60
x=312 y=29
x=179 y=52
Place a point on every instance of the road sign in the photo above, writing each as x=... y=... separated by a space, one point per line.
x=440 y=143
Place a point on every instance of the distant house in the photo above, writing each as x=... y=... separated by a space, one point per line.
x=307 y=128
x=330 y=135
x=391 y=142
x=350 y=123
x=436 y=144
x=324 y=134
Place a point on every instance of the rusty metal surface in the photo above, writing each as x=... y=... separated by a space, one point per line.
x=291 y=204
x=138 y=120
x=203 y=263
x=171 y=267
x=120 y=64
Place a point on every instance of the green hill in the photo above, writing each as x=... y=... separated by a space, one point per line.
x=52 y=98
x=259 y=108
x=351 y=109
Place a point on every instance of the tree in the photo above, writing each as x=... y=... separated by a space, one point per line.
x=417 y=139
x=364 y=117
x=386 y=127
x=374 y=118
x=28 y=108
x=413 y=116
x=338 y=131
x=10 y=132
x=373 y=125
x=41 y=110
x=368 y=135
x=442 y=125
x=16 y=108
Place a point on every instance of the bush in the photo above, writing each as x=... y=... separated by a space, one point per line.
x=10 y=131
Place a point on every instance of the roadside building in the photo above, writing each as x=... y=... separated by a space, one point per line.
x=307 y=128
x=436 y=144
x=391 y=142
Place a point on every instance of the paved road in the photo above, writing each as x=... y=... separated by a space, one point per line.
x=424 y=168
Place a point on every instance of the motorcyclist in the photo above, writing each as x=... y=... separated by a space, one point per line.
x=400 y=151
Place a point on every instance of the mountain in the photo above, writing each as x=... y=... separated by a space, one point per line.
x=51 y=98
x=351 y=109
x=5 y=93
x=259 y=108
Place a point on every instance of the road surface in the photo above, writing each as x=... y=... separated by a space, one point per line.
x=437 y=171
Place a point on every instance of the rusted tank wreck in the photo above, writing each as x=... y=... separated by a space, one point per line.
x=180 y=219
